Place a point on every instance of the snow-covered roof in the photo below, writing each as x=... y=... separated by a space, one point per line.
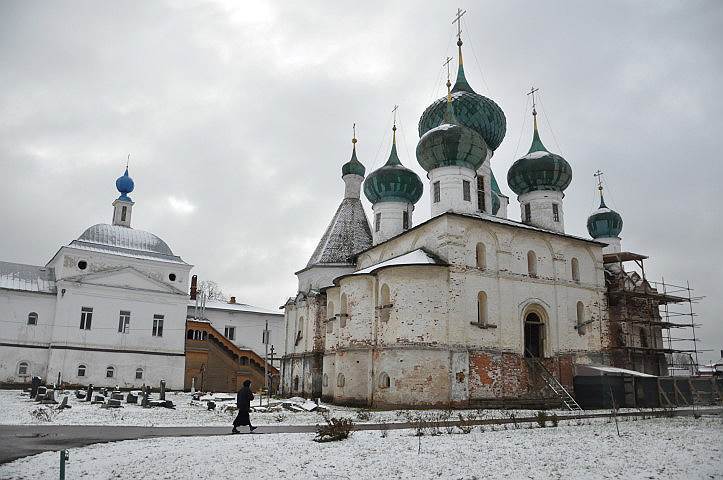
x=232 y=307
x=605 y=370
x=29 y=278
x=415 y=257
x=347 y=233
x=125 y=241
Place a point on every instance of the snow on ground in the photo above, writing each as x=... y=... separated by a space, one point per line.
x=665 y=448
x=17 y=409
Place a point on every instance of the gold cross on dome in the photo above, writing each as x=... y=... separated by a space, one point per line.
x=457 y=20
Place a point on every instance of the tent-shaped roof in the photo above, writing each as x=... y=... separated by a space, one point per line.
x=347 y=234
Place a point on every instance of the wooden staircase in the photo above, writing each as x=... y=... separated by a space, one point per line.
x=557 y=388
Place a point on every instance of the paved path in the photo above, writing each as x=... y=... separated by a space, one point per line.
x=17 y=441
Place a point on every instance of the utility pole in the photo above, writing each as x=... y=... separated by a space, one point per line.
x=266 y=356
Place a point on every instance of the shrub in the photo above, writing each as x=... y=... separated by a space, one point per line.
x=542 y=418
x=363 y=415
x=334 y=430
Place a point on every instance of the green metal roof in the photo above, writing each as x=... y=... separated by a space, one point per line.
x=353 y=166
x=393 y=182
x=471 y=109
x=604 y=222
x=539 y=169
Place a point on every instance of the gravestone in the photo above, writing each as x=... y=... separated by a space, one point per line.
x=162 y=395
x=49 y=397
x=64 y=404
x=89 y=394
x=131 y=398
x=79 y=394
x=40 y=394
x=114 y=403
x=98 y=399
x=116 y=396
x=144 y=400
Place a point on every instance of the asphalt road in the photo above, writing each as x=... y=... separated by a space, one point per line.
x=17 y=441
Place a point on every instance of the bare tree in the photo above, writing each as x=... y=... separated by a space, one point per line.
x=212 y=290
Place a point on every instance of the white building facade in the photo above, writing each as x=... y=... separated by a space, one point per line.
x=107 y=309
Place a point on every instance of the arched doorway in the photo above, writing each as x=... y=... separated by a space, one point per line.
x=534 y=335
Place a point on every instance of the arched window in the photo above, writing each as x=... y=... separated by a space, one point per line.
x=340 y=380
x=23 y=368
x=325 y=380
x=385 y=303
x=32 y=318
x=296 y=382
x=81 y=370
x=243 y=361
x=299 y=330
x=481 y=255
x=330 y=310
x=343 y=311
x=482 y=308
x=189 y=335
x=384 y=381
x=531 y=264
x=580 y=318
x=643 y=338
x=575 y=266
x=139 y=373
x=204 y=335
x=109 y=372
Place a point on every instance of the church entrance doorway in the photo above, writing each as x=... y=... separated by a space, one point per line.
x=534 y=336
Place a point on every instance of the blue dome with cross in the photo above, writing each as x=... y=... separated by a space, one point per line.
x=125 y=185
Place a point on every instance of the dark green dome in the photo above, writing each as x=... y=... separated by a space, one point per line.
x=539 y=170
x=353 y=166
x=451 y=144
x=471 y=109
x=393 y=182
x=604 y=223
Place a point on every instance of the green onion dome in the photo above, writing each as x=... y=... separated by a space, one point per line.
x=604 y=223
x=353 y=166
x=539 y=169
x=451 y=144
x=471 y=109
x=393 y=182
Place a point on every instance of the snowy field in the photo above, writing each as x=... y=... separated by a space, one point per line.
x=677 y=448
x=16 y=408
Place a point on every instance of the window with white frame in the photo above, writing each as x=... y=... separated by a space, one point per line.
x=157 y=326
x=32 y=318
x=81 y=370
x=139 y=373
x=124 y=321
x=229 y=332
x=86 y=317
x=109 y=372
x=23 y=368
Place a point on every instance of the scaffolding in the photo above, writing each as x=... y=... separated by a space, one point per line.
x=653 y=323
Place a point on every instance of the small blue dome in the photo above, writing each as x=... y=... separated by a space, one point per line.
x=125 y=185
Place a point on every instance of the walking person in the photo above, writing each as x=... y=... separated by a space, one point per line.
x=243 y=402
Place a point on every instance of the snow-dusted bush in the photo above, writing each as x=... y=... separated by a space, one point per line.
x=334 y=430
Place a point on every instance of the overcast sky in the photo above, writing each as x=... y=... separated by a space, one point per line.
x=238 y=115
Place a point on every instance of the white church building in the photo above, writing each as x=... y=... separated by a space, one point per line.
x=466 y=308
x=109 y=308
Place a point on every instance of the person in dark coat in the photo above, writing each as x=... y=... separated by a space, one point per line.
x=243 y=402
